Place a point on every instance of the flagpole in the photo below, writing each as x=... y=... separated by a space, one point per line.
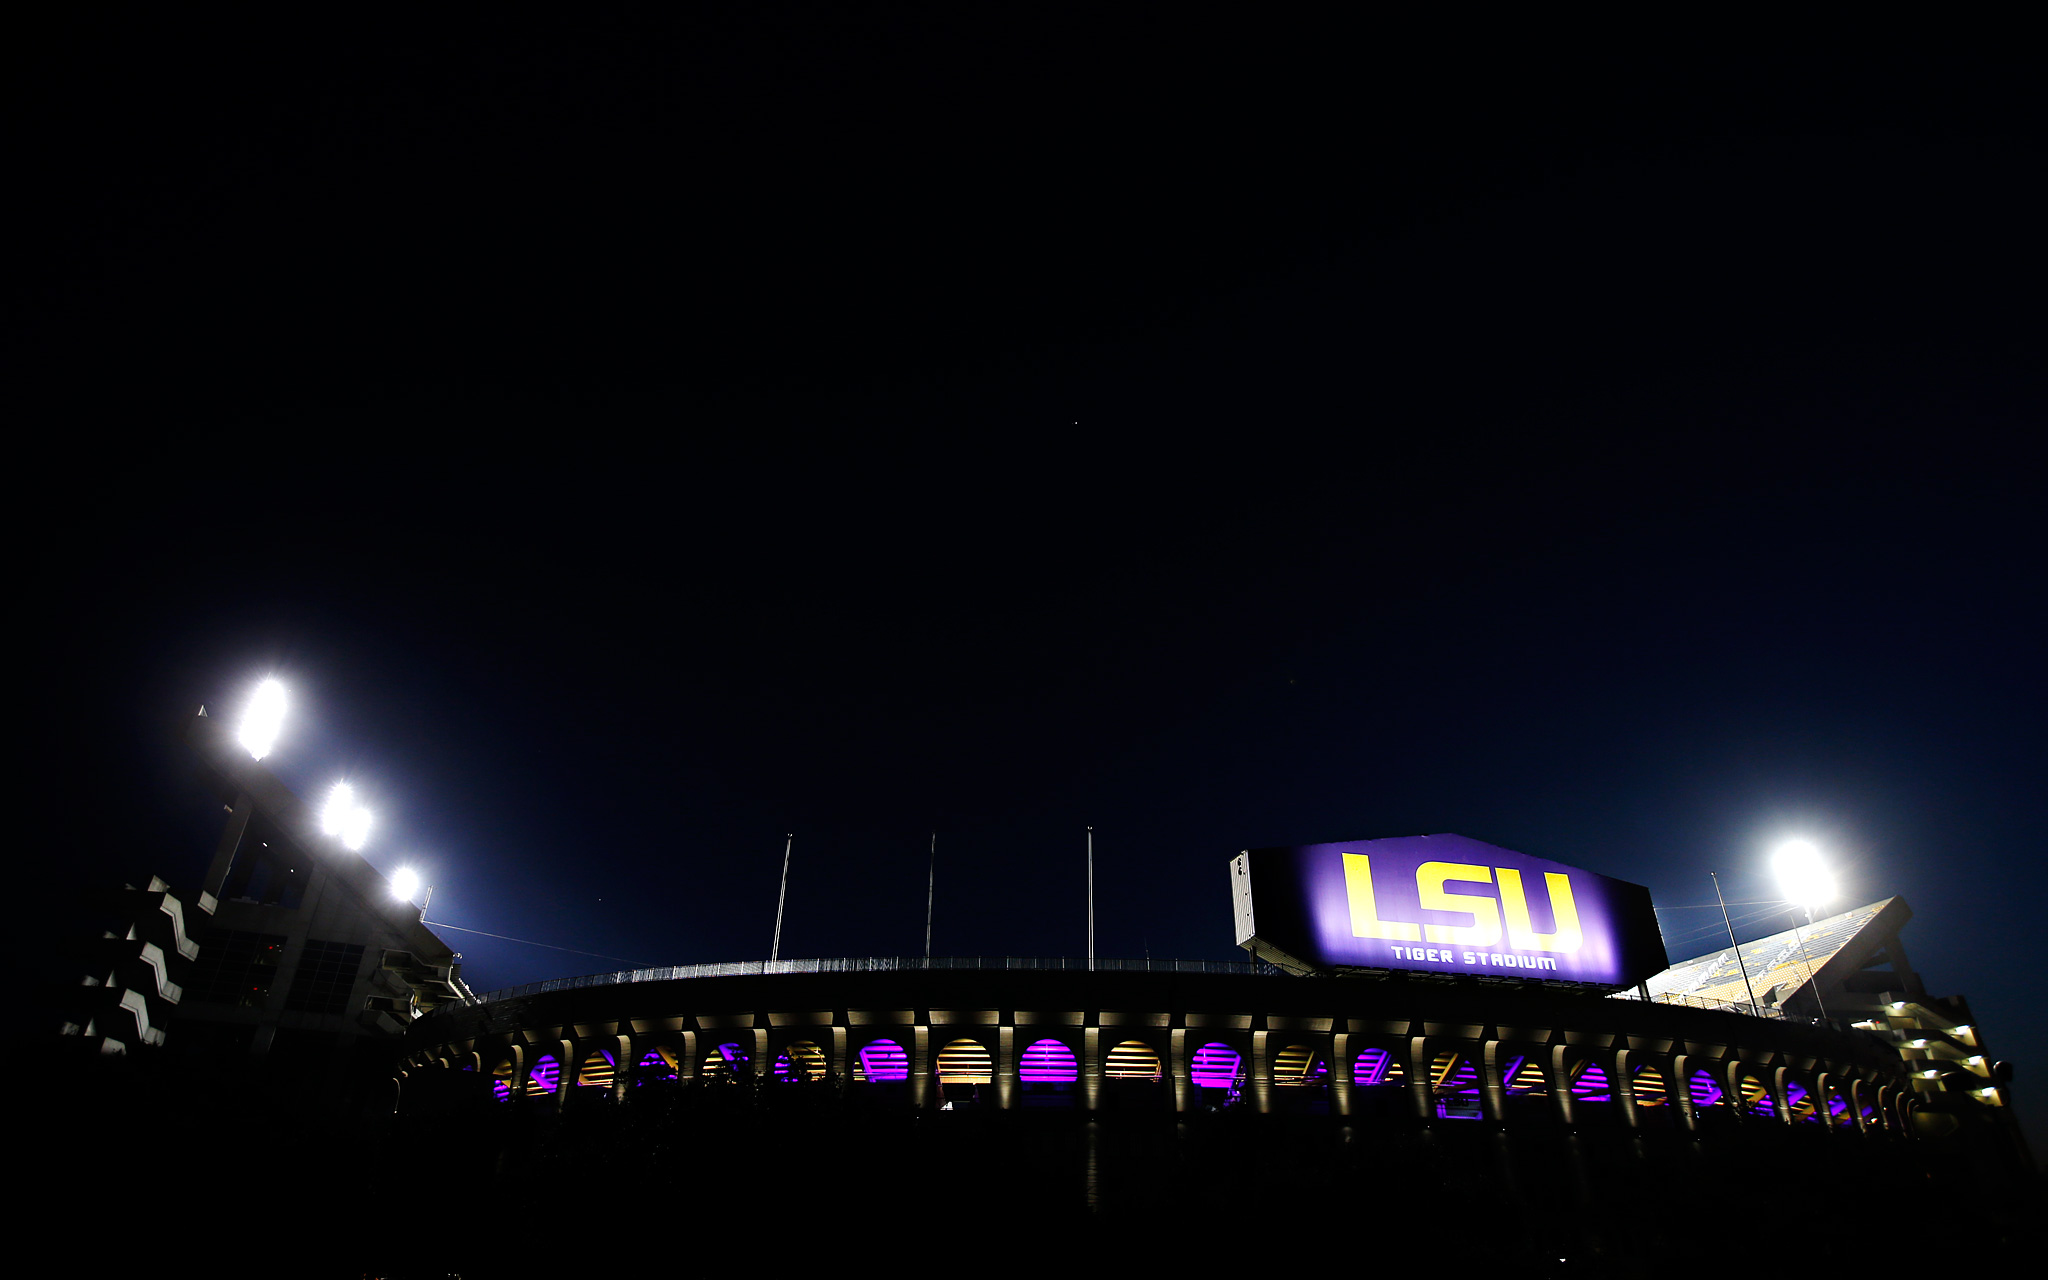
x=1738 y=947
x=1091 y=899
x=775 y=948
x=931 y=885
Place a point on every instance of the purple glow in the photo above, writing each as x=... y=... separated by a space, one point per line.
x=1048 y=1062
x=884 y=1061
x=1705 y=1093
x=1514 y=1080
x=1756 y=1097
x=546 y=1074
x=1457 y=1088
x=1591 y=1085
x=1376 y=1066
x=1495 y=911
x=724 y=1059
x=1214 y=1066
x=803 y=1061
x=1799 y=1103
x=657 y=1068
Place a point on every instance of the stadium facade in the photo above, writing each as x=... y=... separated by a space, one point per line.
x=1598 y=1106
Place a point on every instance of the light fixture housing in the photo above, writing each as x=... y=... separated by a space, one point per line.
x=263 y=719
x=1803 y=877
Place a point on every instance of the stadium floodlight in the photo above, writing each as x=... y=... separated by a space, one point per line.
x=1805 y=880
x=344 y=817
x=334 y=818
x=405 y=882
x=263 y=719
x=1802 y=876
x=356 y=829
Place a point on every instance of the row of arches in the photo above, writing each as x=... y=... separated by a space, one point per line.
x=1467 y=1082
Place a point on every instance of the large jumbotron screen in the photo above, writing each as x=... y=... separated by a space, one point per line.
x=1445 y=904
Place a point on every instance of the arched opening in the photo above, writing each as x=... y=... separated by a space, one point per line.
x=1132 y=1060
x=881 y=1062
x=801 y=1062
x=1376 y=1067
x=965 y=1062
x=597 y=1071
x=1754 y=1097
x=963 y=1067
x=727 y=1062
x=659 y=1065
x=501 y=1080
x=1799 y=1103
x=1132 y=1078
x=1705 y=1090
x=1215 y=1066
x=1649 y=1087
x=1049 y=1072
x=1590 y=1083
x=1298 y=1066
x=1454 y=1084
x=546 y=1074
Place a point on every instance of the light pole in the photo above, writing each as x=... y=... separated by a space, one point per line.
x=1753 y=1011
x=1806 y=881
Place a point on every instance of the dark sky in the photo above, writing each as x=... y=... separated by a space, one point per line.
x=635 y=439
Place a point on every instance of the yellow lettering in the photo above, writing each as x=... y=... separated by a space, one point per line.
x=1365 y=910
x=1484 y=931
x=1521 y=933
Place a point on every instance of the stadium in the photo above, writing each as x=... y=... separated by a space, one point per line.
x=1439 y=1048
x=1559 y=1124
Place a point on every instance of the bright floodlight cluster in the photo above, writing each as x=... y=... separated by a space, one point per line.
x=1802 y=876
x=263 y=719
x=405 y=882
x=344 y=817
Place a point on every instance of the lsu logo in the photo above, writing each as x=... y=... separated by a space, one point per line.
x=1490 y=915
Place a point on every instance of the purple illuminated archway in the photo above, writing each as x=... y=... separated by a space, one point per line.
x=883 y=1061
x=1048 y=1062
x=1214 y=1066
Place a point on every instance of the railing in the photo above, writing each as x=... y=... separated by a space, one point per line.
x=865 y=964
x=1701 y=1002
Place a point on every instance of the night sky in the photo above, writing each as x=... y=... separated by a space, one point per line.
x=632 y=440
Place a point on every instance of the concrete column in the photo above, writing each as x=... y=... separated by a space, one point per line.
x=1342 y=1064
x=622 y=1066
x=1493 y=1091
x=692 y=1064
x=1624 y=1086
x=841 y=1066
x=1177 y=1067
x=1419 y=1079
x=1091 y=1067
x=1260 y=1075
x=1778 y=1099
x=921 y=1067
x=1006 y=1067
x=1557 y=1073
